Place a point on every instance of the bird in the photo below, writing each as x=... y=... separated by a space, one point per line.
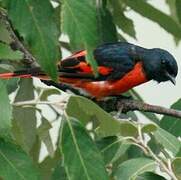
x=121 y=66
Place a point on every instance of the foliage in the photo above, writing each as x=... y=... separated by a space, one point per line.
x=91 y=144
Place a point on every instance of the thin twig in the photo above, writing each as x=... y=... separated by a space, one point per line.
x=38 y=102
x=149 y=152
x=33 y=103
x=160 y=162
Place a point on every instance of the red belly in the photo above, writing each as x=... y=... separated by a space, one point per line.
x=100 y=89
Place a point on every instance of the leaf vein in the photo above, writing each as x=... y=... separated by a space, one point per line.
x=78 y=149
x=12 y=165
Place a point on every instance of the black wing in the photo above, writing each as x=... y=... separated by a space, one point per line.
x=115 y=55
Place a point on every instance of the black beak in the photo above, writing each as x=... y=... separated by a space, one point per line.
x=171 y=78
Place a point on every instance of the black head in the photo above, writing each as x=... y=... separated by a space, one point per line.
x=160 y=65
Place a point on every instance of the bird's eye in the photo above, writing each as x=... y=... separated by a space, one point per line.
x=163 y=61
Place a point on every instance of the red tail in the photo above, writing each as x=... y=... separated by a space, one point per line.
x=11 y=75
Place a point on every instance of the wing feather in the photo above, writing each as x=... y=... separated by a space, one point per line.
x=113 y=62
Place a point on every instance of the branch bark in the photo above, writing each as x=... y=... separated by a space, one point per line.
x=131 y=105
x=125 y=105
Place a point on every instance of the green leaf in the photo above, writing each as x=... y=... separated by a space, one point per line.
x=86 y=111
x=150 y=176
x=148 y=128
x=176 y=166
x=132 y=168
x=104 y=124
x=123 y=22
x=106 y=27
x=150 y=116
x=82 y=160
x=79 y=21
x=148 y=11
x=15 y=164
x=38 y=28
x=5 y=111
x=135 y=152
x=6 y=53
x=49 y=166
x=6 y=67
x=58 y=172
x=12 y=85
x=178 y=8
x=155 y=146
x=48 y=92
x=44 y=135
x=108 y=147
x=121 y=37
x=112 y=148
x=35 y=150
x=179 y=153
x=57 y=1
x=172 y=7
x=57 y=16
x=24 y=119
x=128 y=129
x=172 y=124
x=4 y=34
x=168 y=141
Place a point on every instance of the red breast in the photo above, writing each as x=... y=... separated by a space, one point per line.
x=100 y=89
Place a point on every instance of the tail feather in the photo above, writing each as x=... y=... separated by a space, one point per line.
x=39 y=74
x=25 y=73
x=14 y=74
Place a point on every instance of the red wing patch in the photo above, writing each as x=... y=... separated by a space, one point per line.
x=79 y=54
x=78 y=63
x=73 y=60
x=85 y=68
x=104 y=70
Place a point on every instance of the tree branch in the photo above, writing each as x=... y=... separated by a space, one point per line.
x=125 y=105
x=16 y=44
